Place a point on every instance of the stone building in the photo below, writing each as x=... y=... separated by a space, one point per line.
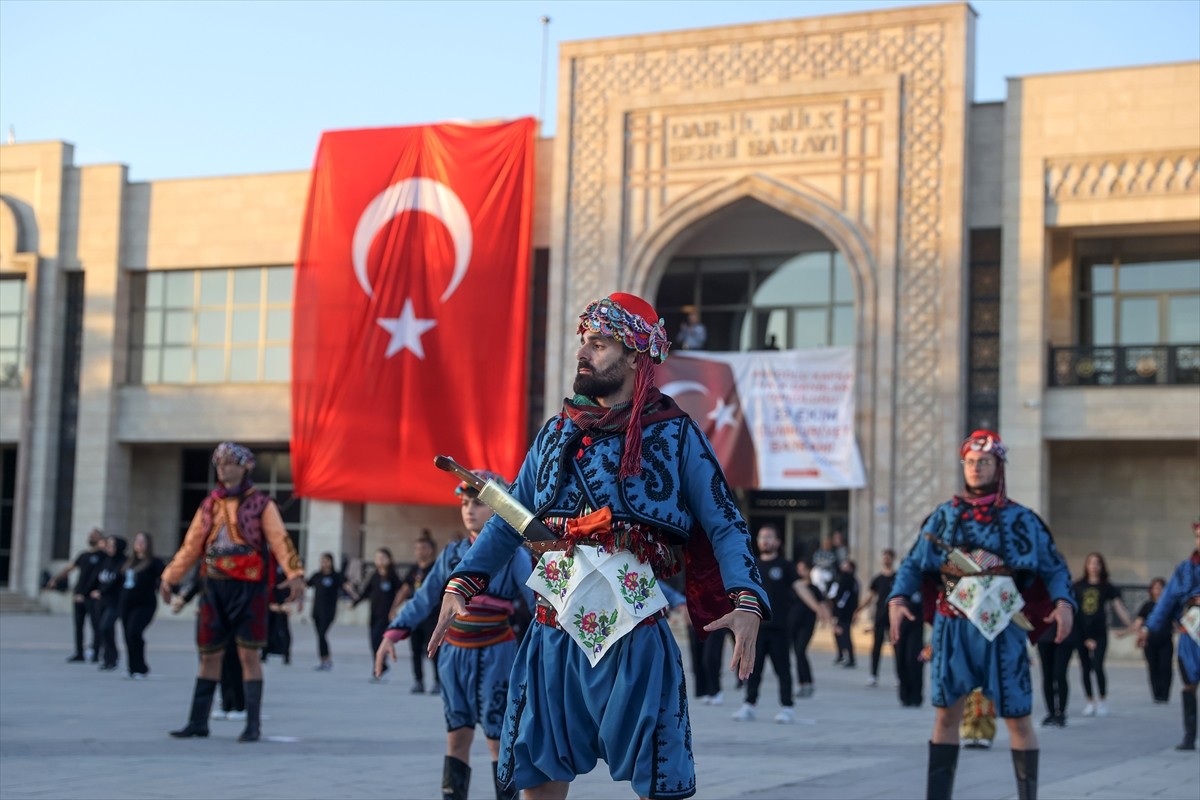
x=1031 y=264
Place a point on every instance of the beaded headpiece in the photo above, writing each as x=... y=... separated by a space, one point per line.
x=241 y=455
x=984 y=441
x=629 y=319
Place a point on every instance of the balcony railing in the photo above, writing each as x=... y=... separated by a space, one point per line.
x=1129 y=365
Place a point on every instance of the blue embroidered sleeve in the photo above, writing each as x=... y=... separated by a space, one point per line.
x=923 y=557
x=1172 y=597
x=710 y=500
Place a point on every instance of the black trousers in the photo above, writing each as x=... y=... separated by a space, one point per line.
x=881 y=634
x=802 y=632
x=713 y=659
x=909 y=668
x=134 y=621
x=419 y=641
x=1093 y=661
x=1056 y=688
x=109 y=614
x=1159 y=651
x=845 y=644
x=322 y=624
x=376 y=629
x=773 y=643
x=233 y=694
x=86 y=611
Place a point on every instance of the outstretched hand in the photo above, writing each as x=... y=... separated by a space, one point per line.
x=1064 y=616
x=164 y=589
x=295 y=587
x=744 y=625
x=386 y=651
x=896 y=616
x=453 y=605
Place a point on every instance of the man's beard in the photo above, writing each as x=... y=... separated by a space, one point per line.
x=599 y=383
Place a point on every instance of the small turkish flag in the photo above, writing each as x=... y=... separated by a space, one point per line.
x=411 y=301
x=707 y=391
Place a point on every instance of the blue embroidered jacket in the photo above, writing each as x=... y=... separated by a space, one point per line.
x=1184 y=583
x=681 y=491
x=508 y=584
x=1016 y=534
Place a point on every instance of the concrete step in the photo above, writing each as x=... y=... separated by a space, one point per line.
x=17 y=603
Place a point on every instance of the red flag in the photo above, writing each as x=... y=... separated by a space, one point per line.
x=411 y=301
x=707 y=390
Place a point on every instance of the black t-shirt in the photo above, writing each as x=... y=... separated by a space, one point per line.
x=381 y=590
x=326 y=589
x=1156 y=637
x=88 y=563
x=844 y=594
x=140 y=586
x=778 y=575
x=881 y=585
x=1093 y=616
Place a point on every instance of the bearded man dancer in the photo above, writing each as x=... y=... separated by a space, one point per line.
x=985 y=550
x=1180 y=602
x=480 y=647
x=233 y=529
x=621 y=474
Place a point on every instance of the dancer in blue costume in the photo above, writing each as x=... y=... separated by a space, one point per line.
x=480 y=647
x=976 y=642
x=622 y=475
x=1180 y=602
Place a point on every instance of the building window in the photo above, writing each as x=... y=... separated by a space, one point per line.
x=763 y=302
x=1139 y=291
x=272 y=474
x=983 y=326
x=211 y=326
x=13 y=329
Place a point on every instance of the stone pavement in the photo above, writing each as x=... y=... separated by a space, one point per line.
x=69 y=731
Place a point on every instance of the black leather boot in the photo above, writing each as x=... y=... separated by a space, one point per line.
x=456 y=777
x=943 y=761
x=253 y=690
x=503 y=792
x=1025 y=768
x=1189 y=721
x=202 y=699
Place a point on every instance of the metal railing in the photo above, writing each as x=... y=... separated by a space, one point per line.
x=1127 y=365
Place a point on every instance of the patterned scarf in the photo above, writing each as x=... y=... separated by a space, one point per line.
x=592 y=419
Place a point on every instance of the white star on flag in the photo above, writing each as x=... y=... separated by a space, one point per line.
x=406 y=331
x=725 y=415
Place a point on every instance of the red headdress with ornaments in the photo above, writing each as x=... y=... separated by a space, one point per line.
x=634 y=323
x=985 y=441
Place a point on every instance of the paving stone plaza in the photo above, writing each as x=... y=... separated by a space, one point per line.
x=69 y=731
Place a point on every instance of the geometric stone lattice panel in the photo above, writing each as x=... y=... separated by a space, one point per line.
x=601 y=83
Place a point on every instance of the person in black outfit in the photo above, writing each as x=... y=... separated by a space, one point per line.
x=1094 y=591
x=783 y=589
x=877 y=593
x=1056 y=658
x=327 y=586
x=425 y=554
x=843 y=597
x=139 y=601
x=1159 y=648
x=382 y=589
x=86 y=608
x=279 y=630
x=802 y=621
x=108 y=594
x=910 y=668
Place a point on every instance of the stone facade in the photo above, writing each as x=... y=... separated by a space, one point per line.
x=858 y=128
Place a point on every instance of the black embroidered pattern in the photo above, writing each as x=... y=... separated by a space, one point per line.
x=1021 y=536
x=657 y=482
x=507 y=765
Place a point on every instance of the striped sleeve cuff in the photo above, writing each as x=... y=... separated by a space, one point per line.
x=466 y=586
x=747 y=601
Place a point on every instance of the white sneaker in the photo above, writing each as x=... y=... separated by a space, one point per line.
x=1089 y=710
x=744 y=714
x=716 y=700
x=219 y=714
x=235 y=716
x=1102 y=709
x=872 y=681
x=786 y=716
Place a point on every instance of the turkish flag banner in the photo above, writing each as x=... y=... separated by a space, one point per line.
x=411 y=301
x=776 y=419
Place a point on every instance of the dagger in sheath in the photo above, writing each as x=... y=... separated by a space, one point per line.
x=508 y=507
x=968 y=567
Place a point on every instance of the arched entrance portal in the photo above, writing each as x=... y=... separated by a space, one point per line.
x=761 y=279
